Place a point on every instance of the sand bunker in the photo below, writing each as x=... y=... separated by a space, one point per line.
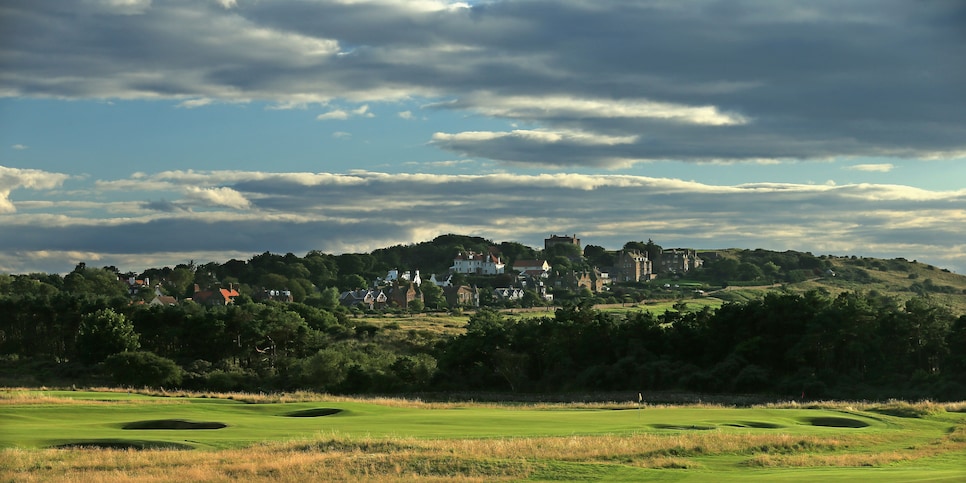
x=313 y=413
x=174 y=424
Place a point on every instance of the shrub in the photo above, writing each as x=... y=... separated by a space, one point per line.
x=752 y=378
x=143 y=369
x=103 y=333
x=231 y=380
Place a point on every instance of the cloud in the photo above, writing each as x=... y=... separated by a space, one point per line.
x=408 y=115
x=449 y=163
x=16 y=178
x=163 y=206
x=224 y=196
x=536 y=107
x=118 y=7
x=559 y=148
x=333 y=115
x=341 y=115
x=19 y=147
x=363 y=111
x=701 y=81
x=195 y=103
x=239 y=211
x=877 y=168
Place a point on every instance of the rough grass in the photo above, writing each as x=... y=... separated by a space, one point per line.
x=335 y=458
x=892 y=407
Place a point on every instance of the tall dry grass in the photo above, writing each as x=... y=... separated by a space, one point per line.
x=892 y=407
x=16 y=396
x=954 y=442
x=340 y=458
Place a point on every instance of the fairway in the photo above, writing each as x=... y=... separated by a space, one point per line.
x=606 y=443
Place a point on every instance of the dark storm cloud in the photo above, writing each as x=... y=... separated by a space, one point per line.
x=802 y=80
x=188 y=235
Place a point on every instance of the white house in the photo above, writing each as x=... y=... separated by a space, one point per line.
x=477 y=264
x=532 y=268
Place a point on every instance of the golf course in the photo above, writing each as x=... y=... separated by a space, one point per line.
x=124 y=436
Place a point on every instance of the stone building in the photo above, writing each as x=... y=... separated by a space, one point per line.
x=633 y=266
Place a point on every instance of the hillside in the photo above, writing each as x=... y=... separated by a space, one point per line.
x=897 y=278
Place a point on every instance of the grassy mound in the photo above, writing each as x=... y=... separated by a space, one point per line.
x=173 y=424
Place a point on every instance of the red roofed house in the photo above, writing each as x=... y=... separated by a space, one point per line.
x=222 y=296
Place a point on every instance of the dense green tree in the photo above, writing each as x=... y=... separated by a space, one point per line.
x=416 y=305
x=143 y=369
x=180 y=282
x=103 y=333
x=749 y=271
x=564 y=250
x=513 y=251
x=94 y=281
x=323 y=270
x=599 y=257
x=433 y=297
x=352 y=282
x=357 y=264
x=329 y=298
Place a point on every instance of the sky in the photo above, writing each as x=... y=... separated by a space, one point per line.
x=148 y=133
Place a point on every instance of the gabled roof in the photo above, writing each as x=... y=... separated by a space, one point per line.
x=164 y=300
x=223 y=295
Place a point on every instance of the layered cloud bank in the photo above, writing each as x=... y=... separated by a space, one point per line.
x=217 y=215
x=597 y=94
x=599 y=84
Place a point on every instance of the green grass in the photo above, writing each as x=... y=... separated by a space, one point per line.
x=605 y=442
x=52 y=424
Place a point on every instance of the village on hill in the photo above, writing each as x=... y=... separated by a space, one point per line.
x=473 y=276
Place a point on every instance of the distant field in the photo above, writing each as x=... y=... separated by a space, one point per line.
x=444 y=324
x=431 y=325
x=96 y=436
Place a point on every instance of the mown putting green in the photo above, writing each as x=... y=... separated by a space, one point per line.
x=125 y=421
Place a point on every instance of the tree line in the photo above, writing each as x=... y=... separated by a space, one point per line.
x=857 y=345
x=87 y=326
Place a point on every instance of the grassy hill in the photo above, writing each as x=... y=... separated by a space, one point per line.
x=897 y=278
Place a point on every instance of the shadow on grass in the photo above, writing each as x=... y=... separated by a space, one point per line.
x=756 y=425
x=173 y=424
x=683 y=427
x=313 y=413
x=834 y=422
